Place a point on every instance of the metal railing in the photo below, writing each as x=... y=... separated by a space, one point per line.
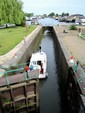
x=19 y=69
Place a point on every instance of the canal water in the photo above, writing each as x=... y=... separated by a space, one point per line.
x=52 y=99
x=50 y=95
x=49 y=89
x=49 y=22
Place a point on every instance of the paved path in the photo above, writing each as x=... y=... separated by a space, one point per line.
x=74 y=44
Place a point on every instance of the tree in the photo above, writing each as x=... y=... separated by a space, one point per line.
x=29 y=14
x=64 y=14
x=11 y=11
x=18 y=13
x=44 y=15
x=51 y=14
x=67 y=14
x=56 y=15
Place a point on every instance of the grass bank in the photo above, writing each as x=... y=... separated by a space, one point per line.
x=10 y=37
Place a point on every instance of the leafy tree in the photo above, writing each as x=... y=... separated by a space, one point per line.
x=44 y=15
x=29 y=14
x=11 y=11
x=51 y=14
x=67 y=14
x=64 y=14
x=56 y=15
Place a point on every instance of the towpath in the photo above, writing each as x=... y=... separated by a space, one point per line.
x=74 y=44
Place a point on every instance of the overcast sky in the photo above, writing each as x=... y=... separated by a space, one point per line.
x=57 y=6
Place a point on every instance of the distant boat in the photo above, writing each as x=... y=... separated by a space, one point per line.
x=56 y=18
x=39 y=61
x=34 y=22
x=82 y=21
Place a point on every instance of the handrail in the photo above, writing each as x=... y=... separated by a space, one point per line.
x=17 y=69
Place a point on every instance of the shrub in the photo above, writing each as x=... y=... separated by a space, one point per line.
x=73 y=27
x=23 y=23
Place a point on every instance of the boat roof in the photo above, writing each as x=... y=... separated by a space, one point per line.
x=38 y=56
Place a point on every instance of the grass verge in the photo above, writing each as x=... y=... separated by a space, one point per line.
x=10 y=37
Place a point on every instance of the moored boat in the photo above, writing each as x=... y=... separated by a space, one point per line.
x=39 y=61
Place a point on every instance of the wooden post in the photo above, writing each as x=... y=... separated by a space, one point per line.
x=37 y=95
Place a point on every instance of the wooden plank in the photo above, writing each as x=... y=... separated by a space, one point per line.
x=31 y=95
x=4 y=88
x=18 y=85
x=20 y=97
x=37 y=94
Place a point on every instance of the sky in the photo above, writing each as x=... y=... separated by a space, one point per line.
x=40 y=7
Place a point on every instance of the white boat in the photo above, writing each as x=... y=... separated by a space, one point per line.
x=39 y=61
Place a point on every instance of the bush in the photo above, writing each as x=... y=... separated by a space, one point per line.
x=23 y=23
x=73 y=27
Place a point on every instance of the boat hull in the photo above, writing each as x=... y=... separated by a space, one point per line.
x=39 y=61
x=41 y=76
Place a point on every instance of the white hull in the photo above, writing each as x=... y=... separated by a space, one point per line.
x=43 y=76
x=39 y=61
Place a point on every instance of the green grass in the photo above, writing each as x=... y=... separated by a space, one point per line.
x=83 y=36
x=10 y=37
